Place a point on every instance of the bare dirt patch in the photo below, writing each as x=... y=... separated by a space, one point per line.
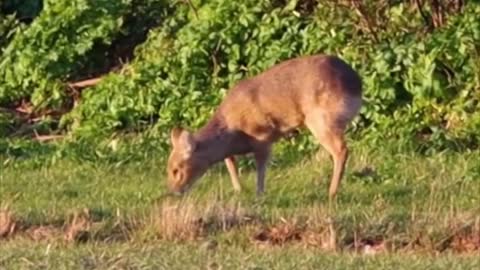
x=321 y=235
x=280 y=234
x=466 y=242
x=464 y=238
x=368 y=245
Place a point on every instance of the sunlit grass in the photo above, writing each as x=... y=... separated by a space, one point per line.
x=408 y=201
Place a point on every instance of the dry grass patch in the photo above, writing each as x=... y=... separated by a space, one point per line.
x=432 y=234
x=8 y=224
x=79 y=227
x=38 y=233
x=82 y=227
x=188 y=219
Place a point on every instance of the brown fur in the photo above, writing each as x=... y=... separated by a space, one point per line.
x=319 y=92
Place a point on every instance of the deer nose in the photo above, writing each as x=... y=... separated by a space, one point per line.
x=175 y=189
x=176 y=193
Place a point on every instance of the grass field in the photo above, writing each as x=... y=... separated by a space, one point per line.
x=396 y=210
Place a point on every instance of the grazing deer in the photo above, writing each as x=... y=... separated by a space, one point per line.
x=320 y=92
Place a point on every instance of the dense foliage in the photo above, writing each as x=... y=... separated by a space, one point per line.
x=38 y=58
x=420 y=64
x=13 y=14
x=8 y=24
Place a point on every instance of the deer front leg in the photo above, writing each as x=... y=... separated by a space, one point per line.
x=261 y=159
x=233 y=172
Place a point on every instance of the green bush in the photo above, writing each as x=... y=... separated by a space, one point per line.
x=8 y=26
x=13 y=15
x=414 y=82
x=37 y=59
x=421 y=76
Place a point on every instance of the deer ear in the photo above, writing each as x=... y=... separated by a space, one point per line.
x=175 y=134
x=187 y=142
x=183 y=139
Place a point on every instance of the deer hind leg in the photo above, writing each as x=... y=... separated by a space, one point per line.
x=233 y=172
x=330 y=134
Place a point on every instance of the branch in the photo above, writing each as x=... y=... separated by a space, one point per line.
x=19 y=112
x=46 y=138
x=189 y=2
x=437 y=13
x=425 y=17
x=361 y=12
x=85 y=83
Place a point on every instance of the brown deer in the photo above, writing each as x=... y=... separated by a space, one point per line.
x=320 y=92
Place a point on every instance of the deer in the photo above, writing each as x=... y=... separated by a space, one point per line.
x=320 y=92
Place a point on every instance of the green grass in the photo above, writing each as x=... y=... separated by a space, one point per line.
x=174 y=256
x=399 y=197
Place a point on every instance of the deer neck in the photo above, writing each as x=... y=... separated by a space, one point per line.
x=213 y=141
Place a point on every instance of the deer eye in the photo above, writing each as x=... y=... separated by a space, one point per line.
x=175 y=171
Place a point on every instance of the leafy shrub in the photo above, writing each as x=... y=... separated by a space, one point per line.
x=420 y=70
x=188 y=61
x=183 y=70
x=52 y=46
x=8 y=26
x=13 y=15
